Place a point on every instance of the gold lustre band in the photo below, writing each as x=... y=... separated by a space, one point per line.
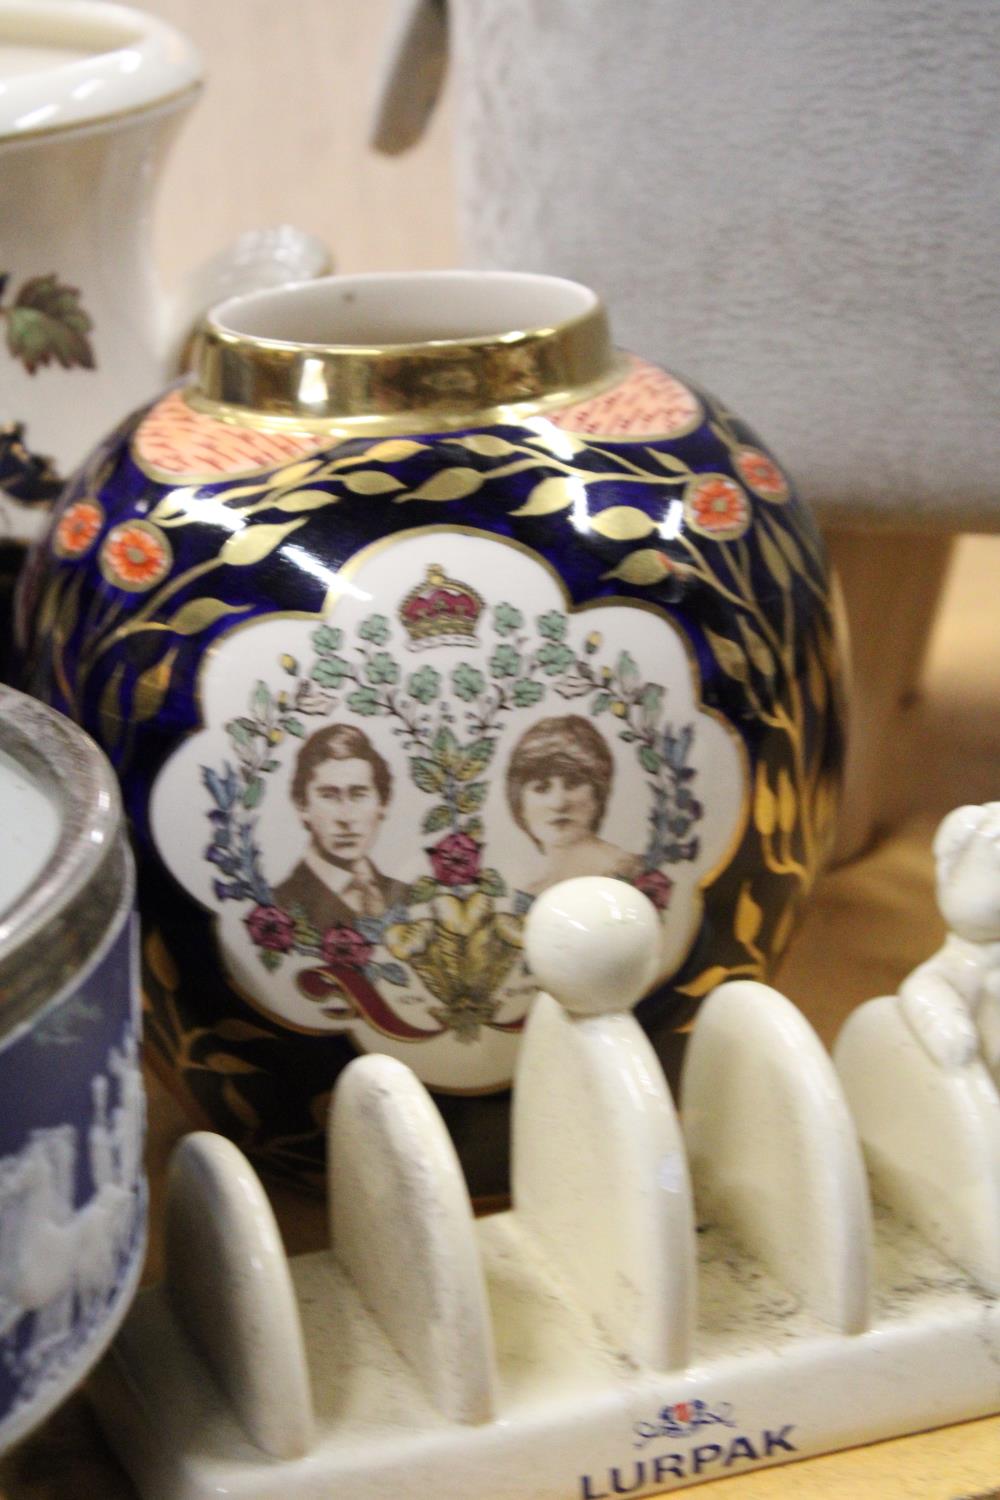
x=443 y=383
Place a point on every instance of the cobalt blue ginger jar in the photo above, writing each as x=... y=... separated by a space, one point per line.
x=419 y=598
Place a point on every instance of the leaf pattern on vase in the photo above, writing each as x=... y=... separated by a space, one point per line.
x=46 y=323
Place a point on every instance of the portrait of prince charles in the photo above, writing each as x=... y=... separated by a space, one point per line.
x=341 y=789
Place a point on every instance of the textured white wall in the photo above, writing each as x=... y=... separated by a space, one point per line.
x=279 y=135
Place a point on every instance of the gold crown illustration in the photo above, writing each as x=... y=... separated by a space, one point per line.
x=440 y=611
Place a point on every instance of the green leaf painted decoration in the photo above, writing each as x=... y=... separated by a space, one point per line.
x=472 y=797
x=45 y=323
x=439 y=817
x=427 y=776
x=474 y=759
x=363 y=701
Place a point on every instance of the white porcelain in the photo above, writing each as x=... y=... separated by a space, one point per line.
x=952 y=1000
x=932 y=1139
x=593 y=944
x=90 y=96
x=232 y=1292
x=931 y=1135
x=401 y=1227
x=773 y=1151
x=599 y=1174
x=608 y=1379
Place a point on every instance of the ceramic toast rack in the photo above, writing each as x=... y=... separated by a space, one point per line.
x=812 y=1261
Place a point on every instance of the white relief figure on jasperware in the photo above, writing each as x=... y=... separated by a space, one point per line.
x=61 y=1265
x=952 y=1000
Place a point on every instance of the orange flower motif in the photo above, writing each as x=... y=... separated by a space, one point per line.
x=761 y=474
x=716 y=506
x=78 y=528
x=135 y=556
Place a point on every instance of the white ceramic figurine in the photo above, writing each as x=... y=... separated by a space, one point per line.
x=952 y=1001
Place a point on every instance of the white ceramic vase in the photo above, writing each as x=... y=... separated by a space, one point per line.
x=90 y=95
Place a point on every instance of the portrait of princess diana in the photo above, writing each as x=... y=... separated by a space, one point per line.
x=559 y=779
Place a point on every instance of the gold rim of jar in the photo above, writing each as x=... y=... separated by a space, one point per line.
x=253 y=366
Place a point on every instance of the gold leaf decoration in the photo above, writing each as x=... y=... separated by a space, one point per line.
x=554 y=440
x=254 y=543
x=290 y=476
x=765 y=806
x=298 y=500
x=748 y=919
x=241 y=1108
x=622 y=523
x=643 y=568
x=775 y=561
x=447 y=484
x=668 y=461
x=48 y=609
x=485 y=444
x=783 y=929
x=394 y=450
x=226 y=1062
x=160 y=961
x=790 y=548
x=757 y=649
x=151 y=688
x=705 y=981
x=724 y=437
x=815 y=680
x=176 y=503
x=371 y=482
x=730 y=656
x=109 y=709
x=243 y=491
x=787 y=802
x=68 y=609
x=198 y=614
x=551 y=495
x=233 y=1029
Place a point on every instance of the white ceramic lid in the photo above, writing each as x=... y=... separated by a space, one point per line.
x=73 y=63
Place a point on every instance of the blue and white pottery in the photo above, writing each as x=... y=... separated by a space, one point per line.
x=72 y=1188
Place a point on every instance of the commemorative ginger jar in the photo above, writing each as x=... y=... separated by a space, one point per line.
x=419 y=599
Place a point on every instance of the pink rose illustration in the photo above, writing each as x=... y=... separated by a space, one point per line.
x=271 y=928
x=455 y=860
x=656 y=886
x=342 y=945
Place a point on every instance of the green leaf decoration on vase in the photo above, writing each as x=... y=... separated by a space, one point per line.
x=46 y=323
